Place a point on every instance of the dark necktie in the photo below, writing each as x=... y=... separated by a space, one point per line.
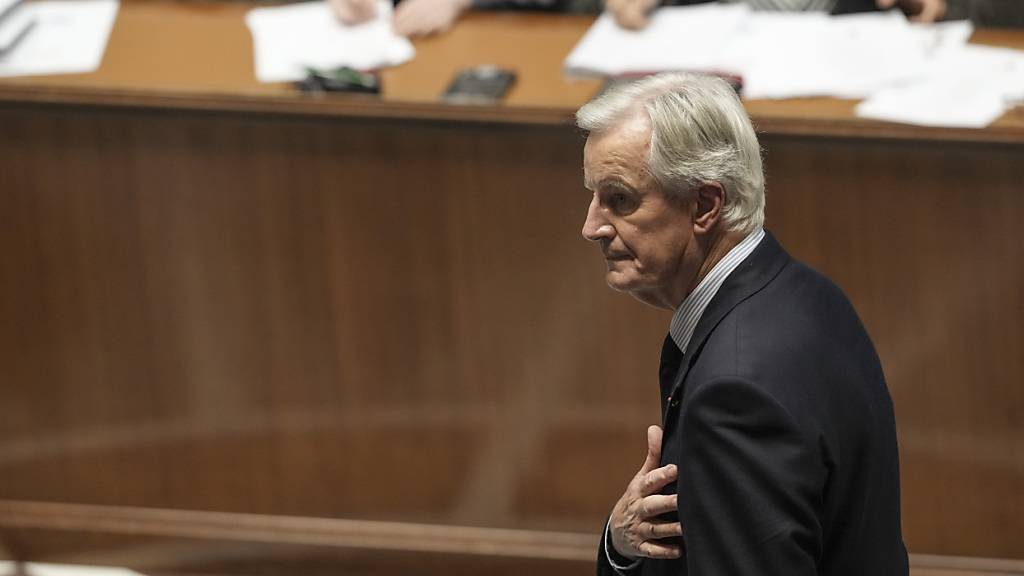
x=671 y=359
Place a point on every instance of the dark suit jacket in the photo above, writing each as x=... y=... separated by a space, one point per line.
x=842 y=7
x=780 y=421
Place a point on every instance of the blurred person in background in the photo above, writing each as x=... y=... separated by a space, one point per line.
x=996 y=13
x=634 y=14
x=424 y=17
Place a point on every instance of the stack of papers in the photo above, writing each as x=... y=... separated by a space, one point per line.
x=796 y=55
x=966 y=87
x=288 y=39
x=924 y=74
x=677 y=38
x=69 y=37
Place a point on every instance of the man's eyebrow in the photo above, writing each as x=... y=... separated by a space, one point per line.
x=616 y=183
x=607 y=181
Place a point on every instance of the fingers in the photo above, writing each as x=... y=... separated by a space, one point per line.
x=659 y=550
x=633 y=525
x=917 y=10
x=630 y=14
x=423 y=17
x=653 y=449
x=930 y=11
x=634 y=17
x=657 y=504
x=656 y=479
x=413 y=18
x=659 y=530
x=354 y=11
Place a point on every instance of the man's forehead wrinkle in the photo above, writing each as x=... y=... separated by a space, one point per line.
x=616 y=172
x=618 y=155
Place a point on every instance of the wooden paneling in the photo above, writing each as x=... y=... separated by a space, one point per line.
x=234 y=313
x=399 y=320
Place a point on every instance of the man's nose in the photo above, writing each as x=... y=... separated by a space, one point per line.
x=596 y=227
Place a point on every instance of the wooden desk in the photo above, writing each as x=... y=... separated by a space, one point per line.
x=147 y=64
x=223 y=296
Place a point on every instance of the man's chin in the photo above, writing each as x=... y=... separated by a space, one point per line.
x=620 y=282
x=632 y=286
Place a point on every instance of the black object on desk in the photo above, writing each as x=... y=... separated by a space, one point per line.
x=339 y=80
x=479 y=85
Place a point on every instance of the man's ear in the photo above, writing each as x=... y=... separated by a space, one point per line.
x=710 y=202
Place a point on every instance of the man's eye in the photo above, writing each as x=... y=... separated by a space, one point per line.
x=620 y=202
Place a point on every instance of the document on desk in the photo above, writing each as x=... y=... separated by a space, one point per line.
x=777 y=54
x=962 y=87
x=69 y=37
x=677 y=38
x=787 y=55
x=287 y=39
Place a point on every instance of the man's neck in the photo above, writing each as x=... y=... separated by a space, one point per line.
x=720 y=246
x=715 y=249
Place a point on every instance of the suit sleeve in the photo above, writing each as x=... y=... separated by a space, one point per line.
x=750 y=487
x=607 y=554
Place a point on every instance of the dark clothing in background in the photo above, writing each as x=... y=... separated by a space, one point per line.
x=843 y=6
x=996 y=13
x=595 y=6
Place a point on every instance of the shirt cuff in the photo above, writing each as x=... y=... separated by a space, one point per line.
x=608 y=555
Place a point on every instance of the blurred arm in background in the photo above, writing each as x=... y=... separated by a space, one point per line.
x=424 y=17
x=634 y=14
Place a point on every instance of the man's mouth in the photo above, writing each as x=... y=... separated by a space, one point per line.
x=616 y=257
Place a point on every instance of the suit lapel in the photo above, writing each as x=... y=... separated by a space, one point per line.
x=753 y=274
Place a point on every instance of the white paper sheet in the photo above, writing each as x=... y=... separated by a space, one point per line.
x=963 y=87
x=677 y=38
x=70 y=37
x=13 y=28
x=6 y=5
x=778 y=54
x=784 y=55
x=286 y=39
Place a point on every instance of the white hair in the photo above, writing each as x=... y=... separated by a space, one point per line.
x=700 y=133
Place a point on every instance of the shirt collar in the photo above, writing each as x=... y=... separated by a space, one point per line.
x=685 y=319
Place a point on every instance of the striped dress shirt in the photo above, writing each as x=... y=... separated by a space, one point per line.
x=685 y=319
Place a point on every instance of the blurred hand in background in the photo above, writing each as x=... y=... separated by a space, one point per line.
x=354 y=11
x=631 y=14
x=425 y=17
x=634 y=14
x=917 y=10
x=412 y=17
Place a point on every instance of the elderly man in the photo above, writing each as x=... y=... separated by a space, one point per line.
x=777 y=451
